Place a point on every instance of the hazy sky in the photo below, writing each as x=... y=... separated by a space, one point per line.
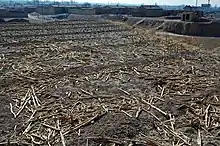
x=159 y=2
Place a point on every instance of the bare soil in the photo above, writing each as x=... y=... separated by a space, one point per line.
x=212 y=43
x=103 y=83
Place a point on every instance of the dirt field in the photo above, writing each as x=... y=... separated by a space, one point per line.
x=98 y=83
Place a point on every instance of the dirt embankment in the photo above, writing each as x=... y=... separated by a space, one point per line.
x=207 y=29
x=195 y=29
x=14 y=20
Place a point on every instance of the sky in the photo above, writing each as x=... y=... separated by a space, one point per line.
x=159 y=2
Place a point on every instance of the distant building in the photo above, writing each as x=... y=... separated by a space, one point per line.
x=2 y=12
x=86 y=5
x=45 y=10
x=189 y=17
x=113 y=9
x=59 y=9
x=172 y=12
x=15 y=12
x=29 y=9
x=51 y=10
x=118 y=9
x=206 y=5
x=81 y=11
x=56 y=9
x=131 y=9
x=151 y=7
x=198 y=10
x=102 y=10
x=148 y=11
x=192 y=8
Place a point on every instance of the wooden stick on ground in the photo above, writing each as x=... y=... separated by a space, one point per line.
x=164 y=113
x=169 y=129
x=61 y=134
x=11 y=109
x=35 y=97
x=138 y=112
x=26 y=101
x=97 y=116
x=51 y=127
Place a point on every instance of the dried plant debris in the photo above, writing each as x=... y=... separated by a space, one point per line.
x=88 y=82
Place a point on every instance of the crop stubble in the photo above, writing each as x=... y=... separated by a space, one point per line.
x=101 y=83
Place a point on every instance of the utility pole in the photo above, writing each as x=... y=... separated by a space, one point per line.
x=196 y=3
